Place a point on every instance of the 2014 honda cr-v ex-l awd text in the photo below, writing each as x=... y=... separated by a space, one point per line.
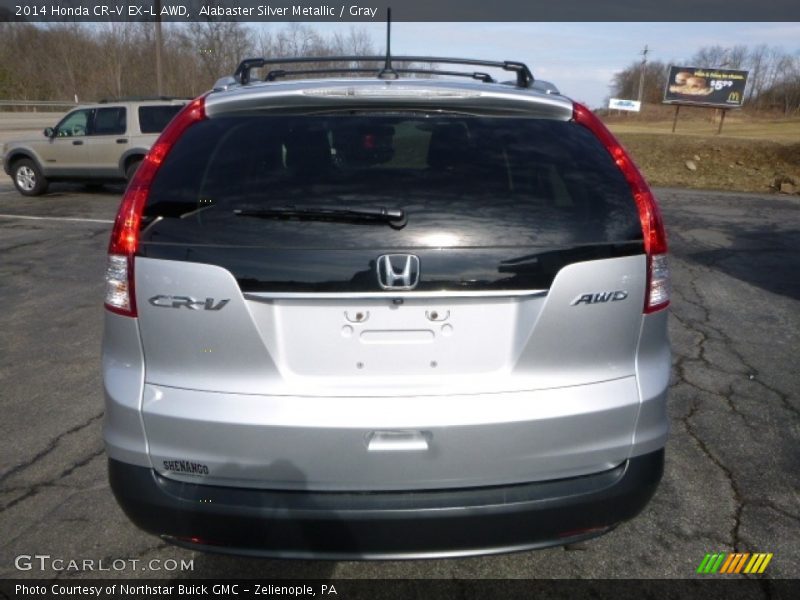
x=385 y=317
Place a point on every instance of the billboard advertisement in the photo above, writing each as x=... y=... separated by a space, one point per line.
x=721 y=88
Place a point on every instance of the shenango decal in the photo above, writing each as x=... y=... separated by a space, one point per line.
x=185 y=467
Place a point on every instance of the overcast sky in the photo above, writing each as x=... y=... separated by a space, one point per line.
x=580 y=58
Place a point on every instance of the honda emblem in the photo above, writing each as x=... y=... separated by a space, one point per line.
x=398 y=271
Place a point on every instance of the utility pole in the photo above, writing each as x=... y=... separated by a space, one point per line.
x=159 y=47
x=642 y=70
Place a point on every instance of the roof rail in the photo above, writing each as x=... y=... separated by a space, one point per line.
x=141 y=99
x=279 y=73
x=242 y=74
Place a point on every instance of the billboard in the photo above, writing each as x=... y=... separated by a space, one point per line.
x=721 y=88
x=620 y=104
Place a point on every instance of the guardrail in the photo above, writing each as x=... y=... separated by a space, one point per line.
x=37 y=103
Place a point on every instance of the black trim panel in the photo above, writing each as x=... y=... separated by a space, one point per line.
x=385 y=524
x=302 y=270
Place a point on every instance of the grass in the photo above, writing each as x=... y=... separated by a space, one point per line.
x=782 y=131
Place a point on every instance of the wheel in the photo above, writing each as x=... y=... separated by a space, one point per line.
x=130 y=170
x=28 y=178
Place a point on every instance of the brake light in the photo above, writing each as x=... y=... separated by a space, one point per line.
x=657 y=292
x=125 y=234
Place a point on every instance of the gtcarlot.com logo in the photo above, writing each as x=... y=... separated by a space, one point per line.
x=727 y=563
x=45 y=562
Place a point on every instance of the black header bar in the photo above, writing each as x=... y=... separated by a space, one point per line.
x=183 y=11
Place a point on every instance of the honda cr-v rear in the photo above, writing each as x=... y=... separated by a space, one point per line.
x=385 y=318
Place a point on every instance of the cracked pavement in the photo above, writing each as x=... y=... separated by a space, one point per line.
x=732 y=478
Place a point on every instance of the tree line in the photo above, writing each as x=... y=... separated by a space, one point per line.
x=773 y=82
x=115 y=60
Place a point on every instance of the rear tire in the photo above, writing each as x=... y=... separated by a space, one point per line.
x=28 y=178
x=130 y=170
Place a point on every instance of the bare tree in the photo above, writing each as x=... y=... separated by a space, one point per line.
x=302 y=40
x=625 y=83
x=115 y=39
x=710 y=56
x=220 y=46
x=71 y=46
x=299 y=40
x=737 y=56
x=782 y=86
x=356 y=41
x=757 y=63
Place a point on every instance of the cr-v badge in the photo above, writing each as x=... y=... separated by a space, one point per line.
x=398 y=271
x=186 y=301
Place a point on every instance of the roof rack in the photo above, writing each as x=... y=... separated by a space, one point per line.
x=242 y=74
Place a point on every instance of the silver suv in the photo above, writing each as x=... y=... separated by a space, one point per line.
x=385 y=317
x=93 y=144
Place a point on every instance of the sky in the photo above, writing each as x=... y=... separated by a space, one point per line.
x=580 y=58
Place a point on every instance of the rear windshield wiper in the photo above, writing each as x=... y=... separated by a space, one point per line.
x=395 y=217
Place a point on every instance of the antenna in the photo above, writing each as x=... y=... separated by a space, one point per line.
x=388 y=72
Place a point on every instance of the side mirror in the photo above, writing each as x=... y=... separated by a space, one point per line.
x=49 y=132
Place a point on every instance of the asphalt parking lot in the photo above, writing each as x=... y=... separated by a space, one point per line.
x=732 y=479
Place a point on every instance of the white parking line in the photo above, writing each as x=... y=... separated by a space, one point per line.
x=56 y=219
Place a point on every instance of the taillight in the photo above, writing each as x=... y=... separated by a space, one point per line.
x=125 y=234
x=655 y=237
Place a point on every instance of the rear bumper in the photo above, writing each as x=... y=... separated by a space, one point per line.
x=321 y=443
x=385 y=525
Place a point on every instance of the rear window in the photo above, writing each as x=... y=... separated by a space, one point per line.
x=516 y=180
x=153 y=119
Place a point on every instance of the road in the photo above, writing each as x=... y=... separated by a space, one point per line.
x=733 y=464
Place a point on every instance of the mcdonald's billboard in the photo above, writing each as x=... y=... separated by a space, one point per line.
x=722 y=88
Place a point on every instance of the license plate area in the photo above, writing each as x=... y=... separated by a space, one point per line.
x=394 y=337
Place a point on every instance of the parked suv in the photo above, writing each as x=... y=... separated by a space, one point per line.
x=385 y=318
x=94 y=144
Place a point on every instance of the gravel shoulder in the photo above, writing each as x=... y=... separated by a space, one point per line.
x=716 y=163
